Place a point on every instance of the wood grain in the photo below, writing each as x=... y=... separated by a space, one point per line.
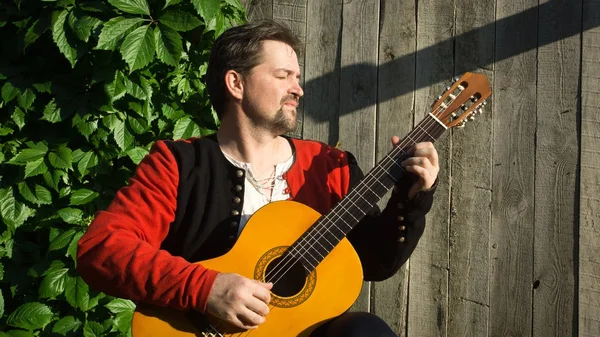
x=397 y=25
x=471 y=194
x=428 y=286
x=358 y=91
x=513 y=205
x=556 y=164
x=322 y=71
x=293 y=14
x=589 y=216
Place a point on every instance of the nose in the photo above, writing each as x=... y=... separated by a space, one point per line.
x=296 y=90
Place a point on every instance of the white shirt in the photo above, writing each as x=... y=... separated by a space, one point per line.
x=253 y=198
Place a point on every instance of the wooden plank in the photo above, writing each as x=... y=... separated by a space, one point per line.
x=471 y=195
x=428 y=285
x=556 y=161
x=358 y=90
x=589 y=216
x=258 y=9
x=293 y=14
x=322 y=71
x=514 y=125
x=394 y=118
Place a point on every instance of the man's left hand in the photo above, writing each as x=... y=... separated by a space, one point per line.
x=424 y=163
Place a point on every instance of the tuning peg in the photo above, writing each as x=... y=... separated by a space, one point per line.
x=439 y=97
x=447 y=88
x=474 y=99
x=461 y=125
x=471 y=117
x=480 y=111
x=455 y=79
x=464 y=107
x=484 y=103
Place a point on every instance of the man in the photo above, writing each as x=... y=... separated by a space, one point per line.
x=189 y=200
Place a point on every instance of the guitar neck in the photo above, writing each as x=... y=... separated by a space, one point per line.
x=316 y=243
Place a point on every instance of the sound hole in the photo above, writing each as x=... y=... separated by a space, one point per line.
x=288 y=276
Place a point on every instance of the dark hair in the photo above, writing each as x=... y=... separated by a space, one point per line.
x=240 y=49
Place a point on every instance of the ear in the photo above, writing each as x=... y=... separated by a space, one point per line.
x=235 y=84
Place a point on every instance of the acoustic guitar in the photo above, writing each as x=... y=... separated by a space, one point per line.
x=316 y=272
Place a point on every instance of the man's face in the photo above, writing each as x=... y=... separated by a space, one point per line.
x=272 y=90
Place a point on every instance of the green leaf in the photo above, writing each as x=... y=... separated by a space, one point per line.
x=9 y=92
x=77 y=292
x=186 y=128
x=53 y=283
x=18 y=116
x=70 y=215
x=66 y=325
x=1 y=304
x=29 y=155
x=72 y=249
x=87 y=128
x=168 y=45
x=116 y=88
x=19 y=333
x=26 y=99
x=207 y=9
x=43 y=87
x=82 y=196
x=52 y=112
x=115 y=30
x=34 y=168
x=132 y=6
x=171 y=3
x=82 y=26
x=139 y=88
x=53 y=178
x=61 y=157
x=138 y=48
x=137 y=154
x=179 y=20
x=1 y=277
x=236 y=3
x=93 y=329
x=60 y=38
x=122 y=321
x=137 y=125
x=119 y=305
x=13 y=212
x=88 y=161
x=122 y=136
x=27 y=193
x=43 y=195
x=171 y=113
x=62 y=240
x=30 y=316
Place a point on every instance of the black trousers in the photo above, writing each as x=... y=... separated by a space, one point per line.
x=354 y=324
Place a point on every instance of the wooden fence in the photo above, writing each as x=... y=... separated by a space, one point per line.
x=512 y=245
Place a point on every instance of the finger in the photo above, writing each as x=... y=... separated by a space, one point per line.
x=395 y=140
x=250 y=319
x=416 y=161
x=257 y=306
x=262 y=292
x=428 y=153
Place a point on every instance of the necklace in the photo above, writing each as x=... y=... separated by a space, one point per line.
x=264 y=186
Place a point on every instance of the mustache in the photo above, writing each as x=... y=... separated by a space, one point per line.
x=291 y=97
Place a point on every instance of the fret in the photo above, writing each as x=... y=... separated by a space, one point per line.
x=321 y=238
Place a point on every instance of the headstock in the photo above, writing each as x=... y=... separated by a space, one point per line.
x=462 y=100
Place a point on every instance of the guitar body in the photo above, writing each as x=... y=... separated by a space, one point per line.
x=298 y=305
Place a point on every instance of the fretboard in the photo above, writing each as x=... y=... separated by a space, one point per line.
x=318 y=241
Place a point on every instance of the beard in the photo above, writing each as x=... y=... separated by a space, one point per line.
x=284 y=122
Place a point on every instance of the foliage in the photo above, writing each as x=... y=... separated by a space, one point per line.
x=87 y=86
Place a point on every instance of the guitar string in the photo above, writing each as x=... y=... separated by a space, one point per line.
x=371 y=176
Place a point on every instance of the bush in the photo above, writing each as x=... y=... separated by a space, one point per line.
x=87 y=87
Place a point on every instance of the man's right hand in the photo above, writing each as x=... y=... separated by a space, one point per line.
x=239 y=300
